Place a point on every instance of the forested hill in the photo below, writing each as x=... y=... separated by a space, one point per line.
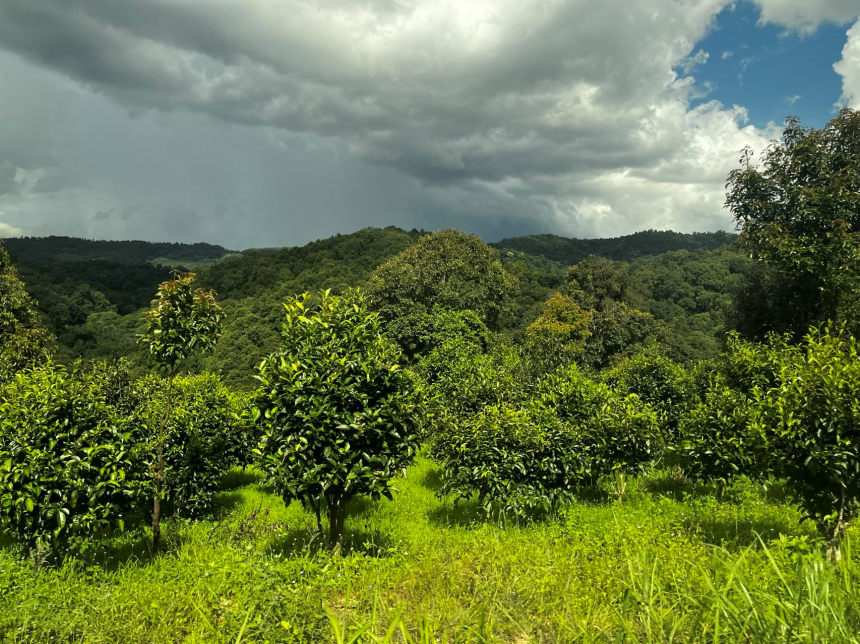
x=568 y=251
x=49 y=250
x=91 y=293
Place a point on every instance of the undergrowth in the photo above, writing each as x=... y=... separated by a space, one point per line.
x=668 y=564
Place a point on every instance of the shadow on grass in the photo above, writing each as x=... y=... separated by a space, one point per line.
x=226 y=502
x=238 y=477
x=308 y=541
x=432 y=480
x=743 y=533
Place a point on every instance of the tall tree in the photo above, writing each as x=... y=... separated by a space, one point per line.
x=799 y=214
x=23 y=338
x=446 y=269
x=182 y=321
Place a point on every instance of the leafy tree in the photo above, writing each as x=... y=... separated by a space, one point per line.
x=183 y=320
x=419 y=333
x=800 y=214
x=69 y=467
x=716 y=442
x=658 y=381
x=536 y=455
x=595 y=280
x=558 y=336
x=617 y=331
x=447 y=269
x=23 y=339
x=811 y=422
x=619 y=434
x=462 y=380
x=515 y=459
x=339 y=417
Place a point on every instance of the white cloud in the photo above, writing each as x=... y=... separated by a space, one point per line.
x=806 y=15
x=849 y=68
x=727 y=54
x=547 y=114
x=791 y=100
x=694 y=62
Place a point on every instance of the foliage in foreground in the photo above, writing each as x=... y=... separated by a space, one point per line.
x=339 y=416
x=786 y=411
x=669 y=565
x=541 y=454
x=70 y=467
x=207 y=433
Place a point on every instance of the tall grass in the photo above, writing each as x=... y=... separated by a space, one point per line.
x=670 y=564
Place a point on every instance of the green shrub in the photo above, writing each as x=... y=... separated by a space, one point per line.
x=716 y=441
x=811 y=422
x=658 y=381
x=557 y=338
x=70 y=468
x=620 y=434
x=537 y=455
x=418 y=333
x=514 y=459
x=340 y=418
x=463 y=380
x=206 y=435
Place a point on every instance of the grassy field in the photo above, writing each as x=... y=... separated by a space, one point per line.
x=669 y=564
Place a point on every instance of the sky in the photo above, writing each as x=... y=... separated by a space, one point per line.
x=252 y=123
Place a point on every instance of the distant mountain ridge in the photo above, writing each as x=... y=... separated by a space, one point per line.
x=568 y=251
x=56 y=249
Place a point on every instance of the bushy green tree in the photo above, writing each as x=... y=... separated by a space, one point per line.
x=596 y=280
x=557 y=338
x=799 y=213
x=716 y=441
x=447 y=269
x=619 y=433
x=70 y=468
x=417 y=334
x=537 y=454
x=23 y=339
x=658 y=381
x=811 y=422
x=340 y=418
x=617 y=331
x=182 y=321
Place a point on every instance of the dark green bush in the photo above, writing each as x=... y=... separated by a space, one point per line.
x=70 y=468
x=206 y=433
x=716 y=442
x=658 y=381
x=620 y=434
x=418 y=333
x=811 y=423
x=464 y=381
x=514 y=459
x=537 y=455
x=340 y=417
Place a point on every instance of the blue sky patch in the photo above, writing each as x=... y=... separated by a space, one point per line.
x=771 y=72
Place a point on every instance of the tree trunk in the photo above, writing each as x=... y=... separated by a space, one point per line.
x=336 y=512
x=834 y=547
x=159 y=475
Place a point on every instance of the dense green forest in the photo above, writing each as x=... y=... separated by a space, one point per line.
x=396 y=436
x=92 y=302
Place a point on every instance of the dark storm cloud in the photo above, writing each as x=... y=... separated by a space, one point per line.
x=502 y=116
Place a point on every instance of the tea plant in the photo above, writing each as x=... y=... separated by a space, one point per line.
x=183 y=320
x=339 y=416
x=69 y=466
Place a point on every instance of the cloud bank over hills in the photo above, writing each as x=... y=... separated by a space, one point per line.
x=240 y=122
